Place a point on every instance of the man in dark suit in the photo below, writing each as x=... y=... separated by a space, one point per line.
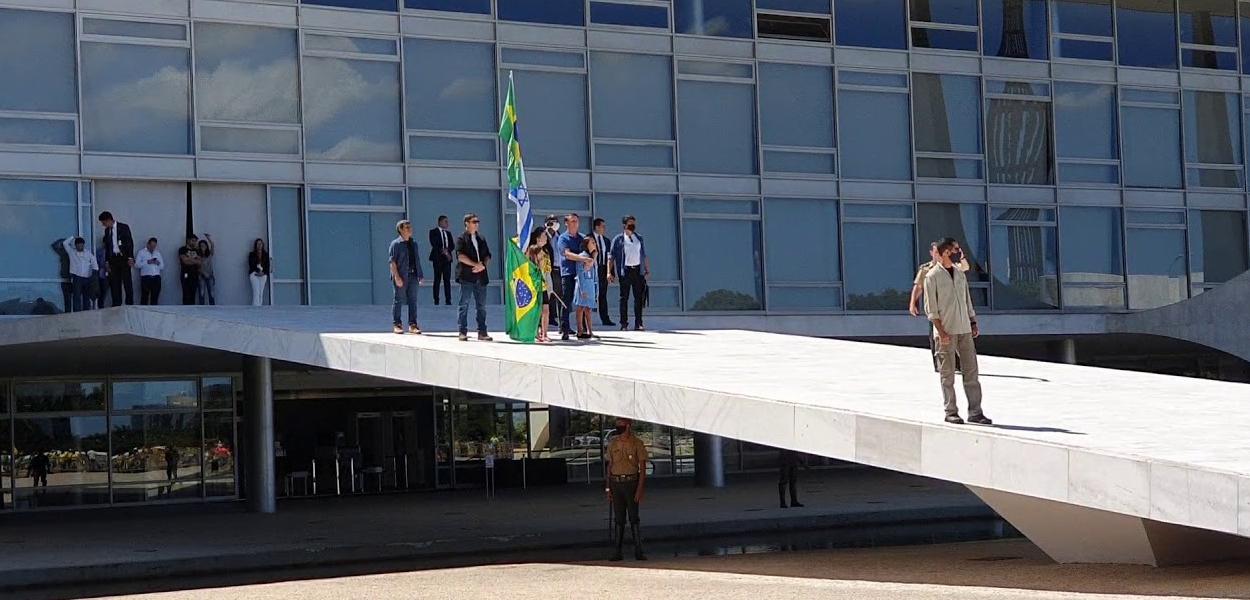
x=119 y=253
x=602 y=243
x=442 y=248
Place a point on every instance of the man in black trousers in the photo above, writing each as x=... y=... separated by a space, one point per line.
x=602 y=243
x=119 y=254
x=442 y=247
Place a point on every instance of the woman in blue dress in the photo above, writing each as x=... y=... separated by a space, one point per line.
x=586 y=294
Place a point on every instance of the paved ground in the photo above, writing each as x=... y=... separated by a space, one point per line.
x=78 y=546
x=1012 y=570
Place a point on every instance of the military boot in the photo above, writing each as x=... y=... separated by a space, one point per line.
x=638 y=555
x=620 y=541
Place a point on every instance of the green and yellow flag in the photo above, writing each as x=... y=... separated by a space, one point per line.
x=522 y=295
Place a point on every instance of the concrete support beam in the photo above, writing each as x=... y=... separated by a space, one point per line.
x=709 y=461
x=262 y=496
x=1075 y=534
x=1063 y=351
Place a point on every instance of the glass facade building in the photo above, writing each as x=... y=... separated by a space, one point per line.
x=782 y=156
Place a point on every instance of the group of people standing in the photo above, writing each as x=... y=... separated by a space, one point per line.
x=576 y=270
x=109 y=270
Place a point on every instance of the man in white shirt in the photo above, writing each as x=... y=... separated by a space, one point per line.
x=150 y=263
x=82 y=267
x=629 y=263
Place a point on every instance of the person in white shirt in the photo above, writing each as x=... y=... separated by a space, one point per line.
x=82 y=268
x=628 y=263
x=150 y=263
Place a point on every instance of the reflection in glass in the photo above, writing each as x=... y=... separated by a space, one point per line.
x=1014 y=28
x=219 y=453
x=1018 y=140
x=879 y=265
x=955 y=12
x=721 y=140
x=1209 y=23
x=1156 y=267
x=1083 y=17
x=633 y=96
x=60 y=461
x=355 y=273
x=352 y=110
x=875 y=135
x=425 y=205
x=1085 y=121
x=246 y=73
x=555 y=12
x=1213 y=137
x=802 y=238
x=481 y=7
x=632 y=15
x=725 y=280
x=286 y=247
x=1024 y=247
x=796 y=105
x=553 y=106
x=1152 y=146
x=871 y=23
x=948 y=120
x=134 y=395
x=136 y=98
x=1091 y=254
x=54 y=396
x=35 y=231
x=721 y=18
x=38 y=66
x=365 y=4
x=156 y=456
x=965 y=223
x=450 y=85
x=1146 y=33
x=1217 y=245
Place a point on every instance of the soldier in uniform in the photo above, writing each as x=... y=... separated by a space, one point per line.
x=627 y=476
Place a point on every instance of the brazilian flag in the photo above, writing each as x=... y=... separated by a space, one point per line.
x=523 y=288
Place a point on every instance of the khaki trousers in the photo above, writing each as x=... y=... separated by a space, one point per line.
x=960 y=346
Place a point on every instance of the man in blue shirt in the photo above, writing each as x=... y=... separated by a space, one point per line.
x=405 y=276
x=568 y=250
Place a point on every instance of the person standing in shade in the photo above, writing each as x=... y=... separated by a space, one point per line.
x=442 y=249
x=258 y=271
x=629 y=262
x=553 y=232
x=949 y=307
x=788 y=465
x=208 y=281
x=151 y=263
x=189 y=260
x=473 y=254
x=569 y=255
x=406 y=275
x=119 y=254
x=627 y=478
x=602 y=243
x=82 y=267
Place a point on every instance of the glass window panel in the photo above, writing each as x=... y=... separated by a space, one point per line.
x=732 y=207
x=157 y=31
x=1083 y=17
x=357 y=197
x=879 y=265
x=1156 y=267
x=776 y=161
x=146 y=395
x=965 y=223
x=875 y=135
x=1014 y=28
x=1024 y=266
x=1209 y=22
x=1017 y=88
x=957 y=12
x=558 y=204
x=568 y=60
x=721 y=140
x=1091 y=254
x=480 y=7
x=947 y=112
x=621 y=155
x=722 y=18
x=793 y=27
x=892 y=80
x=633 y=95
x=611 y=13
x=219 y=453
x=352 y=110
x=1084 y=49
x=1151 y=96
x=35 y=230
x=715 y=69
x=288 y=294
x=802 y=238
x=657 y=222
x=781 y=297
x=218 y=393
x=1015 y=214
x=556 y=12
x=425 y=205
x=796 y=105
x=421 y=147
x=359 y=45
x=76 y=452
x=32 y=298
x=287 y=245
x=1018 y=141
x=353 y=273
x=156 y=457
x=1224 y=178
x=51 y=396
x=552 y=113
x=246 y=73
x=1217 y=245
x=1212 y=128
x=877 y=211
x=450 y=85
x=871 y=23
x=246 y=139
x=1209 y=59
x=46 y=132
x=136 y=98
x=949 y=168
x=38 y=69
x=366 y=4
x=1085 y=120
x=943 y=39
x=1152 y=155
x=1146 y=33
x=811 y=6
x=1155 y=217
x=728 y=279
x=1088 y=173
x=1245 y=37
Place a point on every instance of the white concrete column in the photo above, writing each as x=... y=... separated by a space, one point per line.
x=262 y=495
x=709 y=461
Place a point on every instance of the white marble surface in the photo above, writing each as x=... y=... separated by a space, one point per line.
x=1167 y=448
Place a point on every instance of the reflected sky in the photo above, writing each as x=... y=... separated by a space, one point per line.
x=246 y=73
x=38 y=65
x=352 y=110
x=136 y=98
x=450 y=85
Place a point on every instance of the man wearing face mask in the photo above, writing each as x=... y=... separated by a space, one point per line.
x=948 y=305
x=627 y=475
x=628 y=262
x=917 y=293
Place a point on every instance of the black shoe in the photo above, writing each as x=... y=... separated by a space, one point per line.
x=608 y=324
x=980 y=420
x=624 y=326
x=783 y=504
x=564 y=337
x=796 y=505
x=954 y=420
x=617 y=557
x=583 y=336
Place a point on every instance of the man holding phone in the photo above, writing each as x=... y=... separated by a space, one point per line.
x=948 y=305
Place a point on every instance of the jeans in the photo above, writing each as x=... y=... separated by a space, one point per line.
x=405 y=295
x=476 y=288
x=568 y=285
x=79 y=293
x=205 y=296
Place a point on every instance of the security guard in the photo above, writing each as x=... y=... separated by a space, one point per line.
x=627 y=475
